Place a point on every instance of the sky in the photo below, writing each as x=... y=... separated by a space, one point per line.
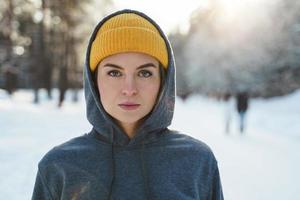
x=167 y=13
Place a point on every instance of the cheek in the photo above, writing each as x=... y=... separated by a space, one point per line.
x=106 y=91
x=155 y=89
x=150 y=90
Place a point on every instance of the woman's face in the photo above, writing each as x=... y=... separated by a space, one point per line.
x=128 y=84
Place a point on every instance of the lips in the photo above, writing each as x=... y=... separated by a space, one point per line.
x=129 y=106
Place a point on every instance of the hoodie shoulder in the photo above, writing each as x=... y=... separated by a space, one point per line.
x=71 y=151
x=191 y=145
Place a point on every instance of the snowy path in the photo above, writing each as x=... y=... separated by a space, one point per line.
x=262 y=164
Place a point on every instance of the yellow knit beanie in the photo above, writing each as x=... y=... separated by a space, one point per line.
x=128 y=32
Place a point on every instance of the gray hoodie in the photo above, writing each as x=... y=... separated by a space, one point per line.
x=157 y=163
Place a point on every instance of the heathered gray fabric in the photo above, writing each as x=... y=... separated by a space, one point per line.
x=157 y=163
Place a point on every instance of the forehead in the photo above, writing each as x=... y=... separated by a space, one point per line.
x=130 y=59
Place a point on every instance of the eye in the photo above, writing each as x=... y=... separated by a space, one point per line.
x=114 y=73
x=144 y=73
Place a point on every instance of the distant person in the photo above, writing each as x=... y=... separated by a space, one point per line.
x=228 y=109
x=130 y=153
x=242 y=106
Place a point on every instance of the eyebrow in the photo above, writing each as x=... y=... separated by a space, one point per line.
x=140 y=67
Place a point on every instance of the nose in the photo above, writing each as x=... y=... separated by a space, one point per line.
x=129 y=87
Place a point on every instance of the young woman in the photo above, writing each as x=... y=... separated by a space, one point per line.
x=130 y=153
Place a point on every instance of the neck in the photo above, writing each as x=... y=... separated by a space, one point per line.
x=129 y=129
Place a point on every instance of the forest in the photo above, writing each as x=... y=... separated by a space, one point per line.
x=223 y=53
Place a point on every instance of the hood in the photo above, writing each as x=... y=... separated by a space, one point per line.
x=161 y=115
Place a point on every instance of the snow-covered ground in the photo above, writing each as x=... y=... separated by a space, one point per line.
x=262 y=164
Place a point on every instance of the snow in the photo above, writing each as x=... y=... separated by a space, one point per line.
x=261 y=164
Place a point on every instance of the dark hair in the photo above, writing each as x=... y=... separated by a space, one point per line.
x=163 y=73
x=95 y=76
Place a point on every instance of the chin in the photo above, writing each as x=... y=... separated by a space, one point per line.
x=129 y=119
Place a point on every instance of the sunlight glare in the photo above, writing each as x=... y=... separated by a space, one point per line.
x=169 y=14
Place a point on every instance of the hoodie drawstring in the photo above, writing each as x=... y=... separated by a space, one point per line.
x=145 y=175
x=113 y=167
